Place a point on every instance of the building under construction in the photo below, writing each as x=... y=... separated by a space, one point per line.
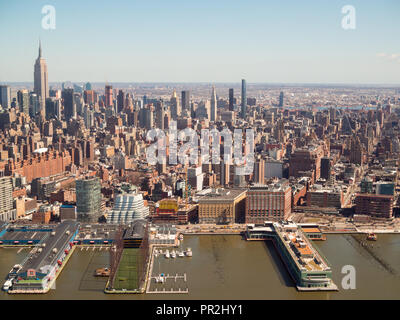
x=171 y=211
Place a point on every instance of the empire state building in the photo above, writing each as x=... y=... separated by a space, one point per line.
x=41 y=85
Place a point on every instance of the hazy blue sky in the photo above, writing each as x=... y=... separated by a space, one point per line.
x=203 y=41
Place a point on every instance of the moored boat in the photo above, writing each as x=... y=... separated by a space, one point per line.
x=102 y=272
x=372 y=236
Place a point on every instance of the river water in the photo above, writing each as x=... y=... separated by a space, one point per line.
x=227 y=267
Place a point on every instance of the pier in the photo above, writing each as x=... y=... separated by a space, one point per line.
x=306 y=265
x=45 y=262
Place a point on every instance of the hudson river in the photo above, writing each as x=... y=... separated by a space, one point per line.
x=227 y=267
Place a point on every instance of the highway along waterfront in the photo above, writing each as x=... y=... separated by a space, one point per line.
x=228 y=267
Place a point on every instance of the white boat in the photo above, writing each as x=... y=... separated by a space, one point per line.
x=173 y=254
x=167 y=254
x=7 y=285
x=181 y=254
x=189 y=252
x=160 y=278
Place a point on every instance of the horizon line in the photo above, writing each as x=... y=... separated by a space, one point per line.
x=209 y=82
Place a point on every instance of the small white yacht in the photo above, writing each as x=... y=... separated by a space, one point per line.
x=167 y=255
x=160 y=278
x=173 y=254
x=181 y=254
x=189 y=252
x=7 y=285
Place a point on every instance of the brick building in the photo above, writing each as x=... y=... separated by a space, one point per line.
x=374 y=205
x=268 y=202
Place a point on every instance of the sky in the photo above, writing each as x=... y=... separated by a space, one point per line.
x=267 y=41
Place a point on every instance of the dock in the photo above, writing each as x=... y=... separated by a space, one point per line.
x=306 y=265
x=45 y=262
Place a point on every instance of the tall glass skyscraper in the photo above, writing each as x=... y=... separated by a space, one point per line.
x=281 y=97
x=88 y=199
x=5 y=97
x=244 y=100
x=231 y=96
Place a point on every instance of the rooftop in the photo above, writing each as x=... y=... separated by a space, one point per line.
x=221 y=195
x=300 y=248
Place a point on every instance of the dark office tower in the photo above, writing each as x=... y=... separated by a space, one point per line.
x=326 y=168
x=244 y=100
x=160 y=115
x=109 y=96
x=120 y=101
x=50 y=108
x=34 y=105
x=69 y=104
x=332 y=114
x=5 y=97
x=231 y=95
x=186 y=100
x=23 y=101
x=281 y=96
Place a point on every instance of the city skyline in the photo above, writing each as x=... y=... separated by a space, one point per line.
x=300 y=43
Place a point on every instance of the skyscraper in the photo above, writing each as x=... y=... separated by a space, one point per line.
x=281 y=96
x=23 y=101
x=5 y=97
x=69 y=104
x=160 y=114
x=213 y=105
x=244 y=100
x=109 y=96
x=186 y=100
x=231 y=97
x=41 y=84
x=175 y=106
x=88 y=201
x=34 y=106
x=120 y=101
